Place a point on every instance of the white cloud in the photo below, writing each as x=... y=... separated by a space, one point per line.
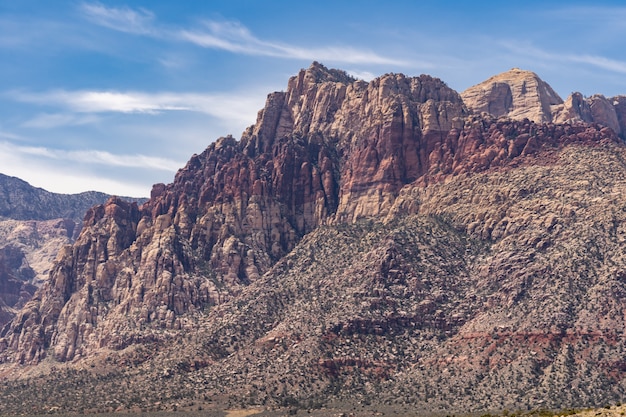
x=122 y=19
x=72 y=171
x=362 y=75
x=240 y=108
x=593 y=60
x=229 y=36
x=236 y=38
x=96 y=157
x=598 y=61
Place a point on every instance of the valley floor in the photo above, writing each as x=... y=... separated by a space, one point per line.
x=618 y=410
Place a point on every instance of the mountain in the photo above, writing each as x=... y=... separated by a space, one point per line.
x=363 y=244
x=520 y=94
x=517 y=94
x=22 y=201
x=34 y=225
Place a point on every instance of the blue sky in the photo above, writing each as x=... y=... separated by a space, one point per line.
x=117 y=95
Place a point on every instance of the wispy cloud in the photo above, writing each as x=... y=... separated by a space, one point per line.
x=123 y=19
x=362 y=75
x=53 y=120
x=588 y=59
x=236 y=38
x=65 y=171
x=598 y=61
x=94 y=157
x=9 y=135
x=233 y=107
x=229 y=36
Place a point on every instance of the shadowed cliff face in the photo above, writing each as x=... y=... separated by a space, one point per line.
x=15 y=288
x=238 y=250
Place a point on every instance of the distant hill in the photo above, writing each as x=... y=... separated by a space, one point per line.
x=21 y=201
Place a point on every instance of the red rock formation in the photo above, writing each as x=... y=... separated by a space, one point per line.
x=329 y=149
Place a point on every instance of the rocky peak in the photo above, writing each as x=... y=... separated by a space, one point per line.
x=575 y=108
x=358 y=228
x=318 y=73
x=520 y=94
x=515 y=93
x=595 y=109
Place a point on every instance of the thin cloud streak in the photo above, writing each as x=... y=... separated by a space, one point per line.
x=599 y=61
x=230 y=107
x=593 y=60
x=94 y=157
x=55 y=120
x=229 y=36
x=78 y=171
x=236 y=38
x=122 y=19
x=9 y=135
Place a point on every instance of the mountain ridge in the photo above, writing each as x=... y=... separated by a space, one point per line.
x=22 y=201
x=359 y=237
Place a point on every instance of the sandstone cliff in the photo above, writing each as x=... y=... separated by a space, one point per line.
x=361 y=242
x=521 y=94
x=516 y=93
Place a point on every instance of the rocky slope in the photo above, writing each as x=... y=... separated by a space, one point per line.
x=34 y=225
x=520 y=94
x=362 y=242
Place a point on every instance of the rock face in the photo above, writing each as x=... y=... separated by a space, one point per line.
x=34 y=225
x=15 y=289
x=329 y=148
x=520 y=94
x=361 y=242
x=35 y=243
x=516 y=93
